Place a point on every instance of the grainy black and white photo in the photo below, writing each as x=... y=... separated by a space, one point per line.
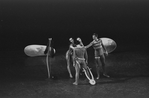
x=74 y=49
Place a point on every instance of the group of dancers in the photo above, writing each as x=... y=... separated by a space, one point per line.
x=78 y=54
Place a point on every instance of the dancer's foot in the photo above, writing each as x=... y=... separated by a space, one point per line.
x=71 y=76
x=97 y=77
x=75 y=83
x=106 y=75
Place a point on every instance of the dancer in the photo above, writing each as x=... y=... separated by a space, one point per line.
x=81 y=43
x=69 y=56
x=80 y=58
x=49 y=51
x=99 y=51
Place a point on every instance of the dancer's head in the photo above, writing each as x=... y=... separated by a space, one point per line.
x=95 y=36
x=71 y=40
x=80 y=41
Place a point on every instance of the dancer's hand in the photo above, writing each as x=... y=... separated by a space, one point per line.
x=74 y=64
x=106 y=53
x=86 y=62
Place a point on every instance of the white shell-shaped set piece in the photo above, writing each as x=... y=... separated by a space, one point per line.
x=109 y=44
x=34 y=50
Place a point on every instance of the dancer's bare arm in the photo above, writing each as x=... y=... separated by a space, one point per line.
x=104 y=47
x=86 y=57
x=73 y=54
x=89 y=45
x=72 y=47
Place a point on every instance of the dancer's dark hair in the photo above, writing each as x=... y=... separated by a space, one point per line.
x=95 y=34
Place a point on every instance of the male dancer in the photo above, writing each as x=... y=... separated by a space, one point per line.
x=80 y=57
x=99 y=51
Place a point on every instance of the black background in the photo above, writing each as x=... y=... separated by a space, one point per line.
x=25 y=22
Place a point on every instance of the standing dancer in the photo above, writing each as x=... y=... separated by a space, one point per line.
x=69 y=56
x=49 y=51
x=80 y=57
x=99 y=51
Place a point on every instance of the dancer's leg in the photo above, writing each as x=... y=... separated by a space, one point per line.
x=77 y=68
x=102 y=59
x=97 y=61
x=68 y=63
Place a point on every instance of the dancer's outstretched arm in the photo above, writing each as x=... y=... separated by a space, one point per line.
x=89 y=45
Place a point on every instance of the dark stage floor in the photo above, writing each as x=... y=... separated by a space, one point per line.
x=26 y=77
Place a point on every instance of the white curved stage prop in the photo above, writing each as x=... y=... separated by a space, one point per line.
x=35 y=50
x=109 y=44
x=91 y=77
